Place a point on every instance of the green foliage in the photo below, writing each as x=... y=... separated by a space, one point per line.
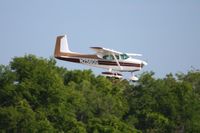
x=163 y=105
x=38 y=96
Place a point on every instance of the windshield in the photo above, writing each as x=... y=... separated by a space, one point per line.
x=124 y=56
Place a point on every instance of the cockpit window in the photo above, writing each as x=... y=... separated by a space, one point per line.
x=119 y=57
x=108 y=57
x=124 y=56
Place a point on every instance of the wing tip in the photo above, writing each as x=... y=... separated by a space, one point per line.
x=96 y=47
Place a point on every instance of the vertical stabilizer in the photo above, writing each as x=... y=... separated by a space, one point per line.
x=64 y=45
x=61 y=46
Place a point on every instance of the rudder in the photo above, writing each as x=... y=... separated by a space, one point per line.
x=61 y=46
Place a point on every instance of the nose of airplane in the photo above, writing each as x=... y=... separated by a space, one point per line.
x=144 y=63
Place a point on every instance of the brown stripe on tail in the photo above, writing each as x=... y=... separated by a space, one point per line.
x=57 y=46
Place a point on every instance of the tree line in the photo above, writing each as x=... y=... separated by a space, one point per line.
x=38 y=96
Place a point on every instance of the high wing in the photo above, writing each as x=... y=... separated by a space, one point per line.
x=103 y=51
x=132 y=54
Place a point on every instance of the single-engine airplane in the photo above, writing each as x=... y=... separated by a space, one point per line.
x=111 y=60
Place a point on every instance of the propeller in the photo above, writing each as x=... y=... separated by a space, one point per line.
x=144 y=63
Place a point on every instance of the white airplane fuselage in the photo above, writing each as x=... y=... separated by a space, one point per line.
x=128 y=65
x=108 y=60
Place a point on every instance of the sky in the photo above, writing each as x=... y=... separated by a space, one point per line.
x=167 y=33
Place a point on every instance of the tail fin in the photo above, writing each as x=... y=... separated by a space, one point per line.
x=61 y=46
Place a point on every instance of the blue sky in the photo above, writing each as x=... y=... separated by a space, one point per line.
x=167 y=33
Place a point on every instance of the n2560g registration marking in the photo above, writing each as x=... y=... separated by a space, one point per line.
x=89 y=61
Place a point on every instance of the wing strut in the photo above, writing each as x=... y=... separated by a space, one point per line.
x=117 y=61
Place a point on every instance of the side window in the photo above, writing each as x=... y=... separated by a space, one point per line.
x=117 y=56
x=105 y=57
x=108 y=57
x=111 y=57
x=124 y=56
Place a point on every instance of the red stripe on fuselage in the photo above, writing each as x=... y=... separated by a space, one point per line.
x=75 y=60
x=112 y=63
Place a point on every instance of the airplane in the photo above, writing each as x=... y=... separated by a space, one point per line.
x=105 y=58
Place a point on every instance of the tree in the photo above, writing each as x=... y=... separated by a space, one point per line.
x=38 y=96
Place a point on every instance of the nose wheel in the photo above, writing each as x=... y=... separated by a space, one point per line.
x=133 y=77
